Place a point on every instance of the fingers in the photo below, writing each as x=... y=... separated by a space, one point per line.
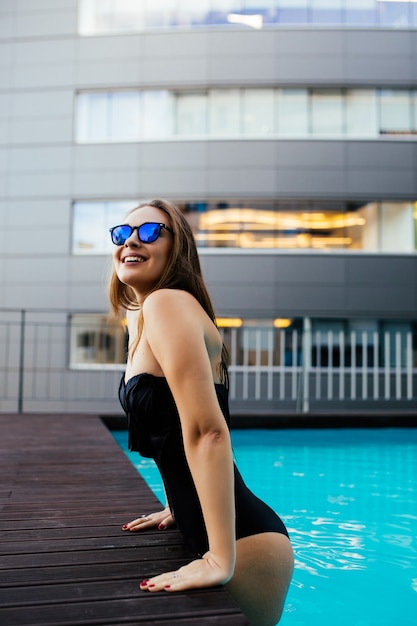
x=197 y=574
x=170 y=581
x=144 y=521
x=167 y=521
x=162 y=519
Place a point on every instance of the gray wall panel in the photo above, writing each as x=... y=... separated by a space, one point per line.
x=190 y=155
x=387 y=270
x=309 y=269
x=322 y=301
x=115 y=73
x=182 y=44
x=293 y=42
x=38 y=213
x=299 y=153
x=43 y=104
x=310 y=69
x=241 y=182
x=105 y=157
x=243 y=301
x=319 y=285
x=40 y=184
x=371 y=154
x=243 y=153
x=40 y=159
x=58 y=21
x=120 y=183
x=239 y=269
x=36 y=296
x=39 y=52
x=381 y=302
x=381 y=183
x=112 y=49
x=30 y=131
x=310 y=182
x=172 y=182
x=46 y=75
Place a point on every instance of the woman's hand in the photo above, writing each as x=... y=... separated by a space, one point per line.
x=205 y=572
x=161 y=519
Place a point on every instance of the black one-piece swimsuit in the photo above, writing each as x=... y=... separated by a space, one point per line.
x=155 y=431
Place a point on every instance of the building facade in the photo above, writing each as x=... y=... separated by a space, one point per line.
x=286 y=131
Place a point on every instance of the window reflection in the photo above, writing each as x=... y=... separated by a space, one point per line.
x=129 y=115
x=118 y=16
x=259 y=224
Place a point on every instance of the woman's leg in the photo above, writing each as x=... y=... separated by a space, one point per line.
x=264 y=566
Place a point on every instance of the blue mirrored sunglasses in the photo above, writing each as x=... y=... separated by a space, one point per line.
x=147 y=233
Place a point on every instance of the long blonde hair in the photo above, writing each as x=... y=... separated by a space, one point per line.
x=183 y=271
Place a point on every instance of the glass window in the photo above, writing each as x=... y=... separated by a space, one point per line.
x=192 y=13
x=266 y=9
x=128 y=16
x=96 y=340
x=414 y=111
x=124 y=115
x=292 y=112
x=159 y=13
x=360 y=12
x=293 y=11
x=223 y=11
x=92 y=116
x=361 y=113
x=157 y=114
x=94 y=16
x=191 y=113
x=326 y=11
x=413 y=14
x=395 y=111
x=393 y=13
x=224 y=112
x=91 y=222
x=415 y=224
x=327 y=112
x=396 y=227
x=258 y=112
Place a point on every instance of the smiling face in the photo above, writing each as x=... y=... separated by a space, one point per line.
x=141 y=265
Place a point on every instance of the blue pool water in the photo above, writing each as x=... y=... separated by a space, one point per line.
x=349 y=500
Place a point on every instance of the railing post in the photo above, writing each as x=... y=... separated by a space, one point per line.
x=306 y=364
x=21 y=361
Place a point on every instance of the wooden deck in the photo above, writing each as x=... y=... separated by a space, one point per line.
x=65 y=490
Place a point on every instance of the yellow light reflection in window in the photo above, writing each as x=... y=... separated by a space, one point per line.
x=282 y=322
x=229 y=322
x=257 y=228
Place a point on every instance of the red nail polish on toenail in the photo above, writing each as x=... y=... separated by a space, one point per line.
x=167 y=587
x=151 y=585
x=124 y=527
x=161 y=527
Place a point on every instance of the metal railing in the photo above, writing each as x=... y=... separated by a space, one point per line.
x=271 y=370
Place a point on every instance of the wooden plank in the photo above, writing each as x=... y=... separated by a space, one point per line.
x=66 y=489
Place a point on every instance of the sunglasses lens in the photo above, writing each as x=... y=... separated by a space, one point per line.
x=120 y=234
x=149 y=232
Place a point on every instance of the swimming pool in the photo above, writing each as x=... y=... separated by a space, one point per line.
x=349 y=500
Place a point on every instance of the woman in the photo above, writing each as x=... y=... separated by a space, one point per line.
x=174 y=392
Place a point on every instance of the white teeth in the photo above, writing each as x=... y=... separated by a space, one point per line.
x=135 y=259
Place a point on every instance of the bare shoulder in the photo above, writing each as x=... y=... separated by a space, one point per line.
x=168 y=303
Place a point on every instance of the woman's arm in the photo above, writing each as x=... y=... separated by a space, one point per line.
x=174 y=325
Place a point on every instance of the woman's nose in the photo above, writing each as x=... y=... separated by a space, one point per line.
x=133 y=240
